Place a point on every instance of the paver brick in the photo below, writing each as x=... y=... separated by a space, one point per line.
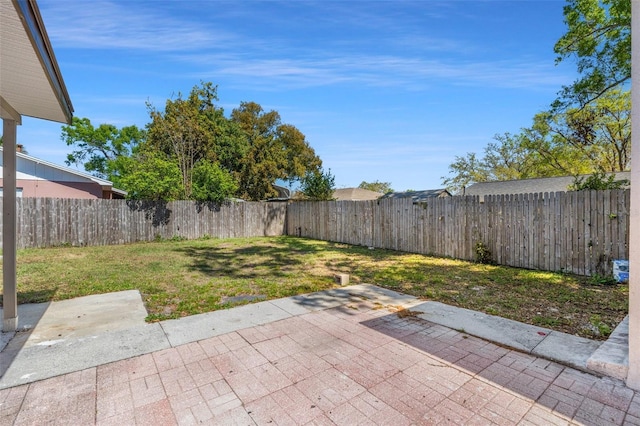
x=277 y=348
x=228 y=364
x=265 y=411
x=167 y=359
x=124 y=418
x=611 y=394
x=113 y=401
x=356 y=364
x=296 y=404
x=542 y=417
x=157 y=413
x=10 y=401
x=203 y=372
x=612 y=415
x=190 y=408
x=192 y=352
x=177 y=380
x=245 y=385
x=237 y=416
x=474 y=363
x=270 y=377
x=147 y=390
x=347 y=414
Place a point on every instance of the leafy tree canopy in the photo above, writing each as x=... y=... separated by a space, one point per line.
x=587 y=129
x=152 y=176
x=376 y=186
x=598 y=135
x=578 y=141
x=212 y=183
x=216 y=157
x=275 y=151
x=318 y=185
x=96 y=147
x=186 y=130
x=598 y=38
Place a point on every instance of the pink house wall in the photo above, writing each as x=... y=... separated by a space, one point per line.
x=52 y=189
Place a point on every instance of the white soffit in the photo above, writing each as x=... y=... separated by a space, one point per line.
x=30 y=81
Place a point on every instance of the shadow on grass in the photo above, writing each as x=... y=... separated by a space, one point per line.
x=566 y=303
x=282 y=257
x=35 y=296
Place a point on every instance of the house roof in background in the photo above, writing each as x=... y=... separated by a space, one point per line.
x=529 y=186
x=355 y=194
x=284 y=193
x=32 y=84
x=82 y=177
x=419 y=196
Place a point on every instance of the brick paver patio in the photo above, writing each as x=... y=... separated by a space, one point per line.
x=357 y=364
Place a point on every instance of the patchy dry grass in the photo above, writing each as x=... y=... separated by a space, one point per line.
x=178 y=278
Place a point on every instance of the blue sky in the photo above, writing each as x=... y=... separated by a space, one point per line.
x=383 y=90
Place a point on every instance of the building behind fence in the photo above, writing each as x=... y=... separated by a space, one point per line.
x=579 y=232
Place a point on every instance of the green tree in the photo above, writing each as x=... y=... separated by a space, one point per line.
x=588 y=127
x=596 y=137
x=317 y=185
x=582 y=140
x=505 y=159
x=182 y=130
x=376 y=186
x=212 y=183
x=96 y=147
x=464 y=171
x=275 y=151
x=606 y=125
x=508 y=159
x=549 y=153
x=598 y=37
x=151 y=176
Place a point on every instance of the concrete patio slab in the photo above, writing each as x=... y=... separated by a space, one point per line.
x=197 y=327
x=80 y=316
x=513 y=334
x=612 y=357
x=567 y=349
x=55 y=357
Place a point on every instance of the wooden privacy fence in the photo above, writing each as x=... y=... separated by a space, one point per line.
x=46 y=222
x=579 y=232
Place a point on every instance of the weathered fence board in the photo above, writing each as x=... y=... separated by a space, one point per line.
x=47 y=222
x=579 y=232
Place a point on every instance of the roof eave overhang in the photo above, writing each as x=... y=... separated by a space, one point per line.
x=31 y=83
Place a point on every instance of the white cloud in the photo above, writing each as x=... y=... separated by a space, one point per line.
x=411 y=73
x=273 y=62
x=130 y=25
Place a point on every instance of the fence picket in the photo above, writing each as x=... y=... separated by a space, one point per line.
x=579 y=232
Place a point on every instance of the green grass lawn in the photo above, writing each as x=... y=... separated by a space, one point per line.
x=179 y=278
